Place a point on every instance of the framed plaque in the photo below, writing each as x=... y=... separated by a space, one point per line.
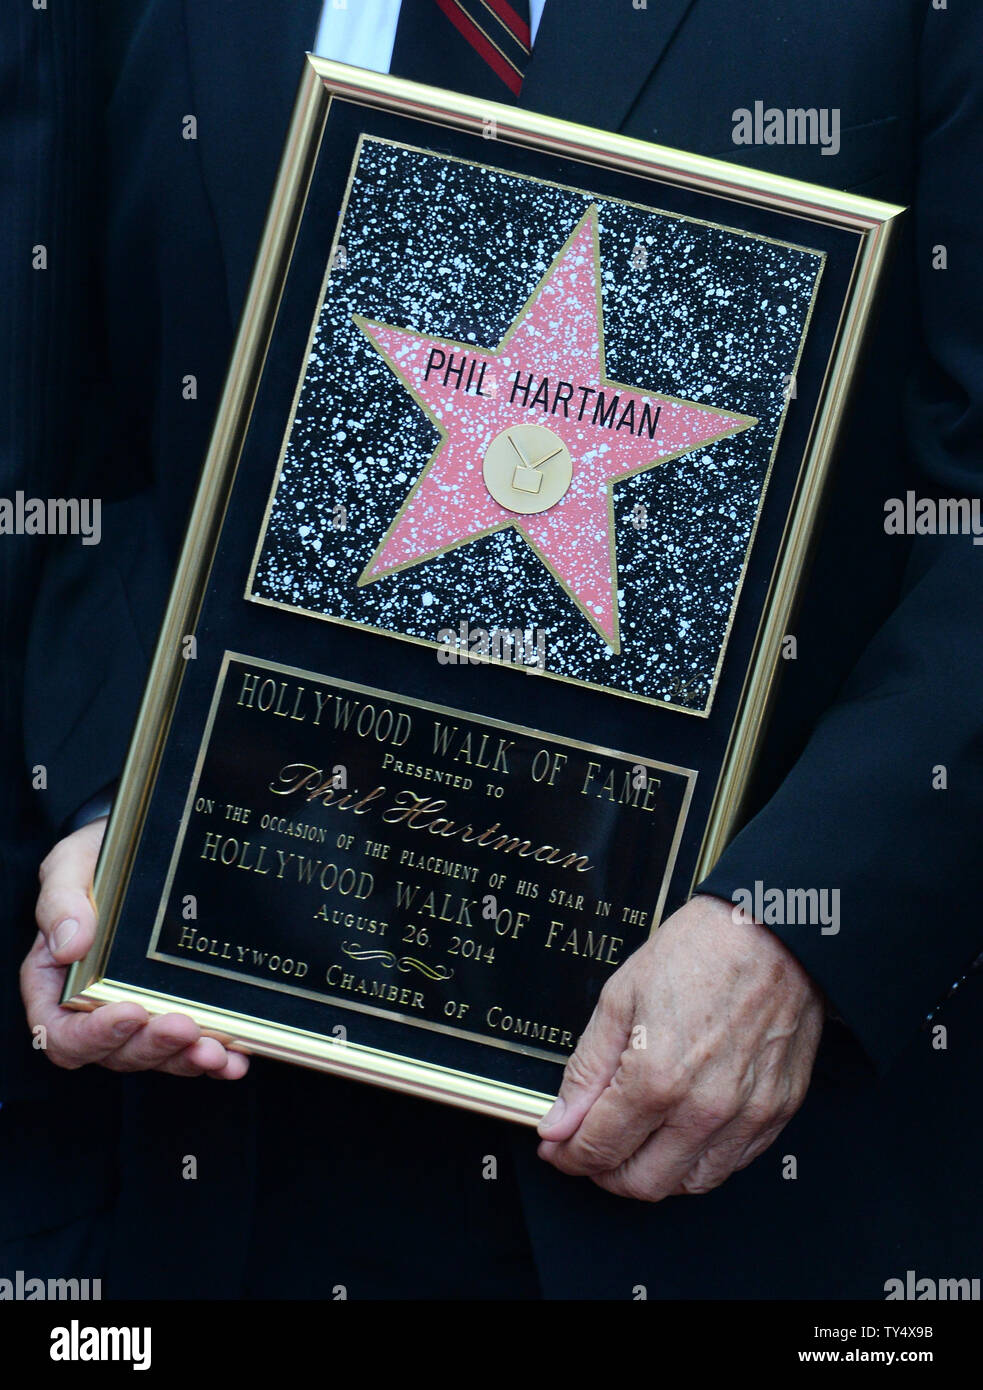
x=472 y=639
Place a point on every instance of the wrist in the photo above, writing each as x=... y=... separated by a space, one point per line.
x=754 y=940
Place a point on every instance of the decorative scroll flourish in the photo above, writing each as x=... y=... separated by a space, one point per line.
x=403 y=963
x=356 y=953
x=432 y=972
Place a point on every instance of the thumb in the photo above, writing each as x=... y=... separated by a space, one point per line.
x=64 y=909
x=593 y=1063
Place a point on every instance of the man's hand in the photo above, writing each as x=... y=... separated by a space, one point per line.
x=122 y=1037
x=697 y=1055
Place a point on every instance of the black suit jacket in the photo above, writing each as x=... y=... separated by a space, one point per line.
x=888 y=680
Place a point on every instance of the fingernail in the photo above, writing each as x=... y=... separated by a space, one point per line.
x=126 y=1028
x=64 y=933
x=554 y=1114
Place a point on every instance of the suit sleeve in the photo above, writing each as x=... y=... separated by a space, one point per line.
x=48 y=159
x=886 y=801
x=98 y=606
x=94 y=627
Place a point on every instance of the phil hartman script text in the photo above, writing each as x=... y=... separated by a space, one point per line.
x=414 y=862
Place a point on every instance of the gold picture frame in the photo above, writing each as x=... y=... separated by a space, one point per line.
x=322 y=84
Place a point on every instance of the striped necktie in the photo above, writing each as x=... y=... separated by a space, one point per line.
x=476 y=46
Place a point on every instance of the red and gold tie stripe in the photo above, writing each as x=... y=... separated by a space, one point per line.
x=496 y=33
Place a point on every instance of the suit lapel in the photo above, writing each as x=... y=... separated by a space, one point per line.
x=246 y=61
x=592 y=58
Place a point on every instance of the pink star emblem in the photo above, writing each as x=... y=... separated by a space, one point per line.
x=547 y=370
